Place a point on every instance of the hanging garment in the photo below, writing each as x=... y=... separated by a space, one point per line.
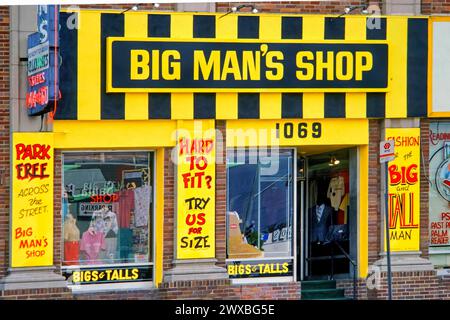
x=313 y=192
x=336 y=190
x=71 y=253
x=343 y=210
x=141 y=205
x=126 y=205
x=110 y=249
x=91 y=244
x=104 y=221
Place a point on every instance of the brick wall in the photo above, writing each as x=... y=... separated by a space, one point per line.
x=410 y=286
x=143 y=6
x=169 y=210
x=317 y=7
x=347 y=284
x=36 y=294
x=4 y=139
x=430 y=7
x=424 y=187
x=221 y=193
x=374 y=217
x=57 y=218
x=222 y=289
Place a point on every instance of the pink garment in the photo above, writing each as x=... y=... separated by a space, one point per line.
x=91 y=244
x=126 y=205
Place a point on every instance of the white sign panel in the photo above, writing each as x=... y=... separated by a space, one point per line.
x=440 y=73
x=387 y=151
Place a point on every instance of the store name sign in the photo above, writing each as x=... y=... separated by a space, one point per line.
x=143 y=65
x=42 y=89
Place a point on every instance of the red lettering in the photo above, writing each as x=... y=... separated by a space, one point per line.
x=405 y=176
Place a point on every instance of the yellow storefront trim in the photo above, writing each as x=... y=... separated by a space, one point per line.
x=270 y=106
x=355 y=105
x=334 y=132
x=396 y=97
x=363 y=208
x=113 y=134
x=159 y=219
x=313 y=105
x=313 y=27
x=182 y=106
x=270 y=27
x=226 y=106
x=226 y=27
x=181 y=26
x=89 y=70
x=136 y=104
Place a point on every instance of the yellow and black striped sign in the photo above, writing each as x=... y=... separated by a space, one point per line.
x=88 y=91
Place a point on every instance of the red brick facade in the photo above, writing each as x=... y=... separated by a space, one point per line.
x=430 y=7
x=4 y=139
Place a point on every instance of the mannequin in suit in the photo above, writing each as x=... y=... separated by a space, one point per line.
x=321 y=215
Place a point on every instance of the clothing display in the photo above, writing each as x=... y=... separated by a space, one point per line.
x=125 y=243
x=336 y=191
x=320 y=226
x=343 y=210
x=92 y=242
x=71 y=253
x=104 y=220
x=126 y=205
x=110 y=249
x=313 y=191
x=141 y=205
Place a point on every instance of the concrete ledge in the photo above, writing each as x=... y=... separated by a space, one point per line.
x=32 y=278
x=405 y=262
x=195 y=269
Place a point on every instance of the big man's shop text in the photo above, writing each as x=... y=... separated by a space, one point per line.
x=141 y=64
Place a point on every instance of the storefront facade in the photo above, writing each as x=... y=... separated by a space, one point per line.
x=191 y=154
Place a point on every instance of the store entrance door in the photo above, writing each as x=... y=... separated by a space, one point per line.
x=326 y=202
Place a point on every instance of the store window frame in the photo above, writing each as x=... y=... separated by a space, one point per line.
x=152 y=219
x=293 y=256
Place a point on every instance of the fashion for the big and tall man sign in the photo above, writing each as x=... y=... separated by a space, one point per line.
x=195 y=153
x=404 y=189
x=32 y=200
x=139 y=65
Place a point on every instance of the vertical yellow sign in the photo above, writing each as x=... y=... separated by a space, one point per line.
x=404 y=189
x=32 y=200
x=196 y=151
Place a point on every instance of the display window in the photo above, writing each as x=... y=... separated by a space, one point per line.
x=260 y=207
x=107 y=209
x=439 y=193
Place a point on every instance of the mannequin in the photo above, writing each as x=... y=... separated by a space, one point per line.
x=71 y=241
x=104 y=221
x=321 y=215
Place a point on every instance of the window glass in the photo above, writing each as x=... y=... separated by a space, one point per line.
x=107 y=204
x=260 y=205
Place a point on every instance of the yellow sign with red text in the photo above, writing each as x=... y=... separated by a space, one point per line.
x=196 y=151
x=404 y=189
x=32 y=200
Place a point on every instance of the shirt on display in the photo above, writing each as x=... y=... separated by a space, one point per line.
x=91 y=243
x=104 y=221
x=319 y=211
x=126 y=205
x=336 y=191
